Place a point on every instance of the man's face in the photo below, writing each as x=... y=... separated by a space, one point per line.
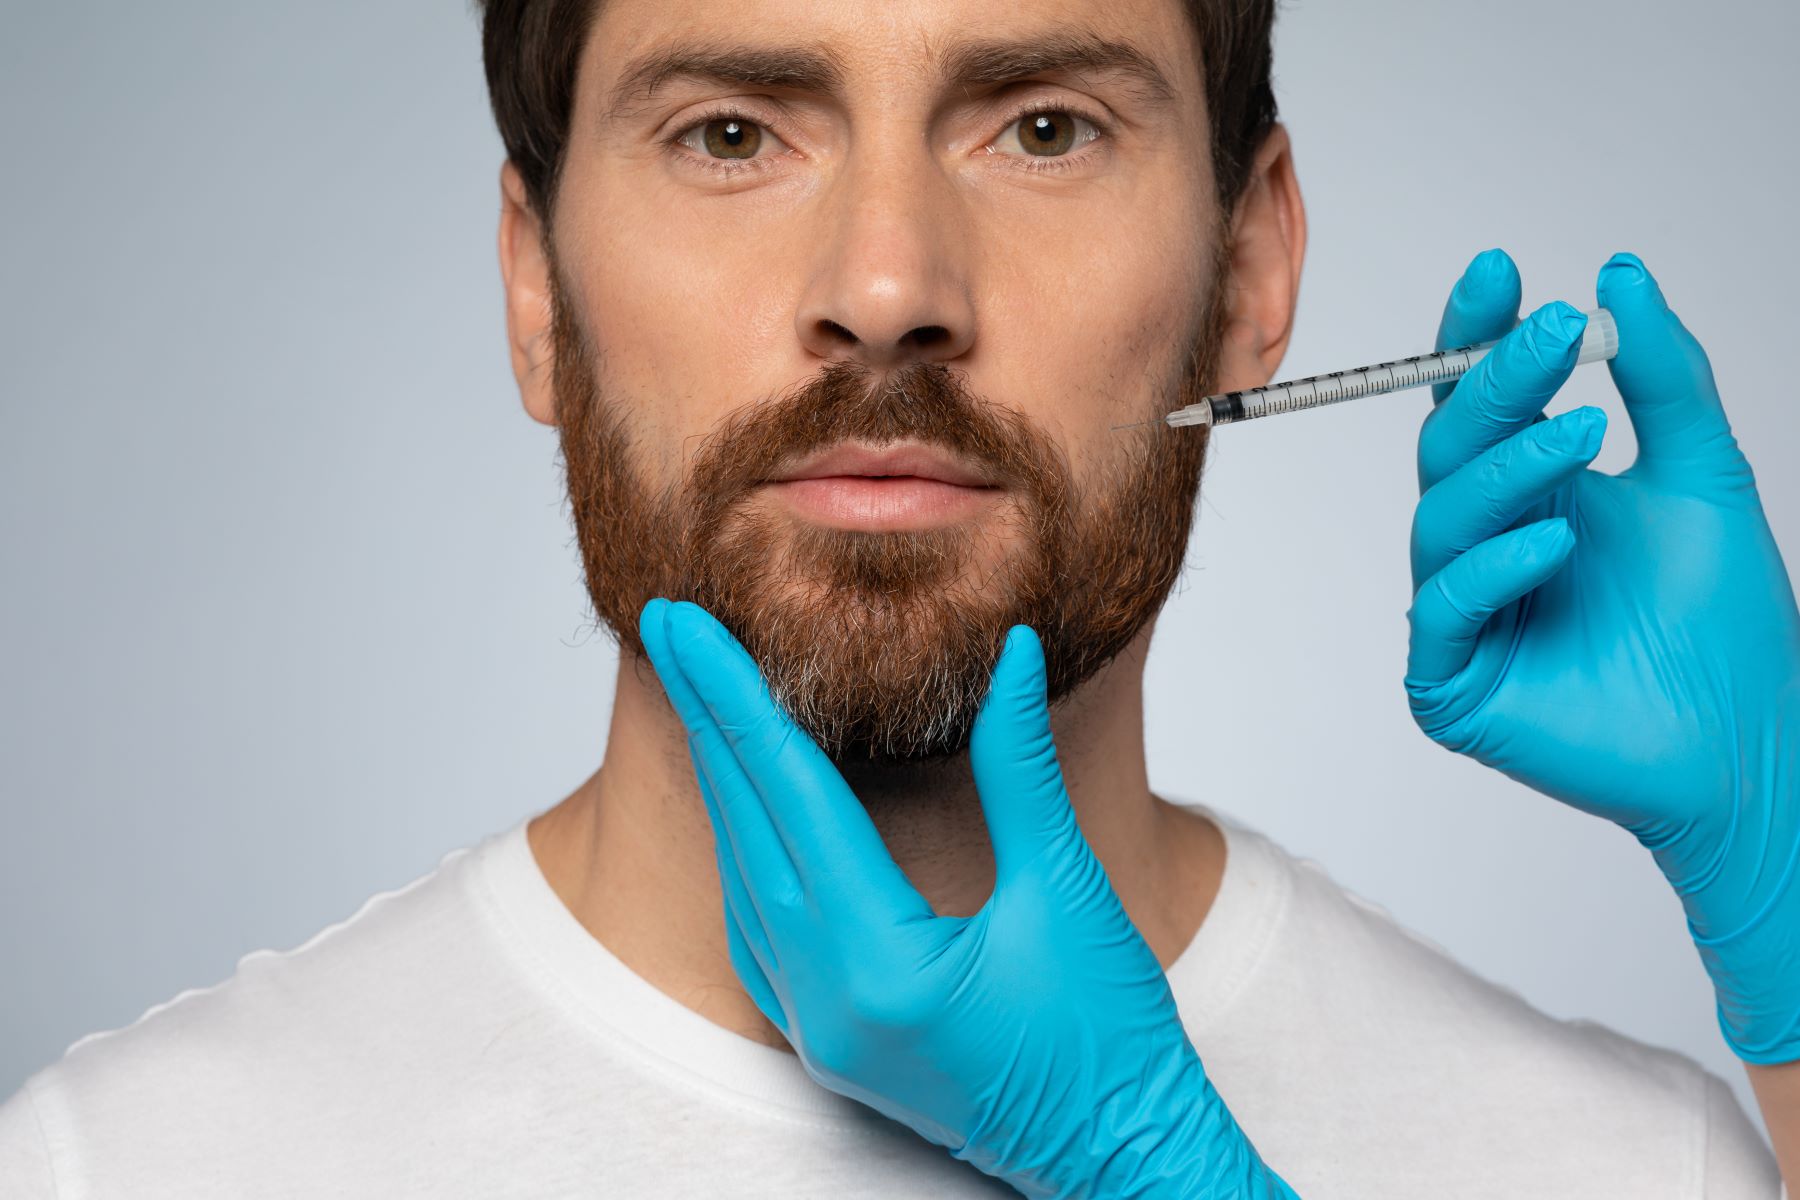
x=840 y=346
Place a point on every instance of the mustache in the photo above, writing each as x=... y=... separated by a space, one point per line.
x=927 y=402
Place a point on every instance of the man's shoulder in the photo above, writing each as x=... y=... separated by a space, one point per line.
x=1376 y=1011
x=1380 y=969
x=288 y=1022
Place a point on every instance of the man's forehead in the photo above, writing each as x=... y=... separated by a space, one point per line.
x=639 y=46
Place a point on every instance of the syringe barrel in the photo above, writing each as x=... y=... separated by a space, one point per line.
x=1600 y=340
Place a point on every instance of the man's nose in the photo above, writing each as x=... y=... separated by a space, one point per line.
x=890 y=282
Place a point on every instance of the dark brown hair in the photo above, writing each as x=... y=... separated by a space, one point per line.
x=531 y=49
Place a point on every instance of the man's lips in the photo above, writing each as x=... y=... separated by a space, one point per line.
x=891 y=461
x=878 y=489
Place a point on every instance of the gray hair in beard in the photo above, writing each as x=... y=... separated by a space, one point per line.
x=880 y=645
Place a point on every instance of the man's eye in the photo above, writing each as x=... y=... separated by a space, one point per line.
x=1051 y=133
x=728 y=137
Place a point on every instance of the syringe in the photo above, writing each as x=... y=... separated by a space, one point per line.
x=1599 y=341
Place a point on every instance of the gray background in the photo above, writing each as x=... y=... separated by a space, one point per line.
x=291 y=606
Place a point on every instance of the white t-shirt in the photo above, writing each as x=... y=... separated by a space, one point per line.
x=465 y=1036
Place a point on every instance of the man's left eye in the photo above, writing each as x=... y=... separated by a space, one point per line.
x=1050 y=133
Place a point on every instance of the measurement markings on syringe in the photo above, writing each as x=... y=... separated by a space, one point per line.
x=1271 y=399
x=1600 y=341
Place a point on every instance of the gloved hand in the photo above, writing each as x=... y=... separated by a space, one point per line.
x=1038 y=1039
x=1628 y=644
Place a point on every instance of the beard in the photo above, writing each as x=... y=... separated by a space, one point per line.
x=880 y=644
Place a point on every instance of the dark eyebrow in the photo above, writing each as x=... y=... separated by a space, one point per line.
x=733 y=65
x=816 y=69
x=976 y=64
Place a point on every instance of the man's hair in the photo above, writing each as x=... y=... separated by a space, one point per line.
x=531 y=49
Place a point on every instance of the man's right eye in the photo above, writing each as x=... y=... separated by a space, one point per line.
x=727 y=137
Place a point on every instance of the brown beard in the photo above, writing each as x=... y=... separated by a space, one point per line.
x=880 y=644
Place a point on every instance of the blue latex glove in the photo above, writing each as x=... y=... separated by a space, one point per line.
x=1628 y=644
x=1038 y=1039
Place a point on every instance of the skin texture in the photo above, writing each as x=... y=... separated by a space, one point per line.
x=898 y=205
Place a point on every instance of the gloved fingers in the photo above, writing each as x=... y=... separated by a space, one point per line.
x=1666 y=381
x=1451 y=607
x=834 y=848
x=1503 y=392
x=1483 y=307
x=755 y=845
x=1481 y=498
x=751 y=955
x=756 y=983
x=1014 y=760
x=740 y=909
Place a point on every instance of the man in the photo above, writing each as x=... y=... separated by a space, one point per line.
x=835 y=308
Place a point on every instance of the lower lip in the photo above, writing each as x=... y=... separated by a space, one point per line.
x=881 y=503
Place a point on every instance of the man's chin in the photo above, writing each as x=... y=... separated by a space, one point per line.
x=870 y=675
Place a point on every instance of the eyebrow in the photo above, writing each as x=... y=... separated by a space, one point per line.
x=817 y=69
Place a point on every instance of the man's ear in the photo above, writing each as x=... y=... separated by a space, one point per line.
x=525 y=272
x=1268 y=248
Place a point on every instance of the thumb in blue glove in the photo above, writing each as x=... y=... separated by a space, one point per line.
x=1037 y=1039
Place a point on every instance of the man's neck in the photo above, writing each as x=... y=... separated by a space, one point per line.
x=630 y=852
